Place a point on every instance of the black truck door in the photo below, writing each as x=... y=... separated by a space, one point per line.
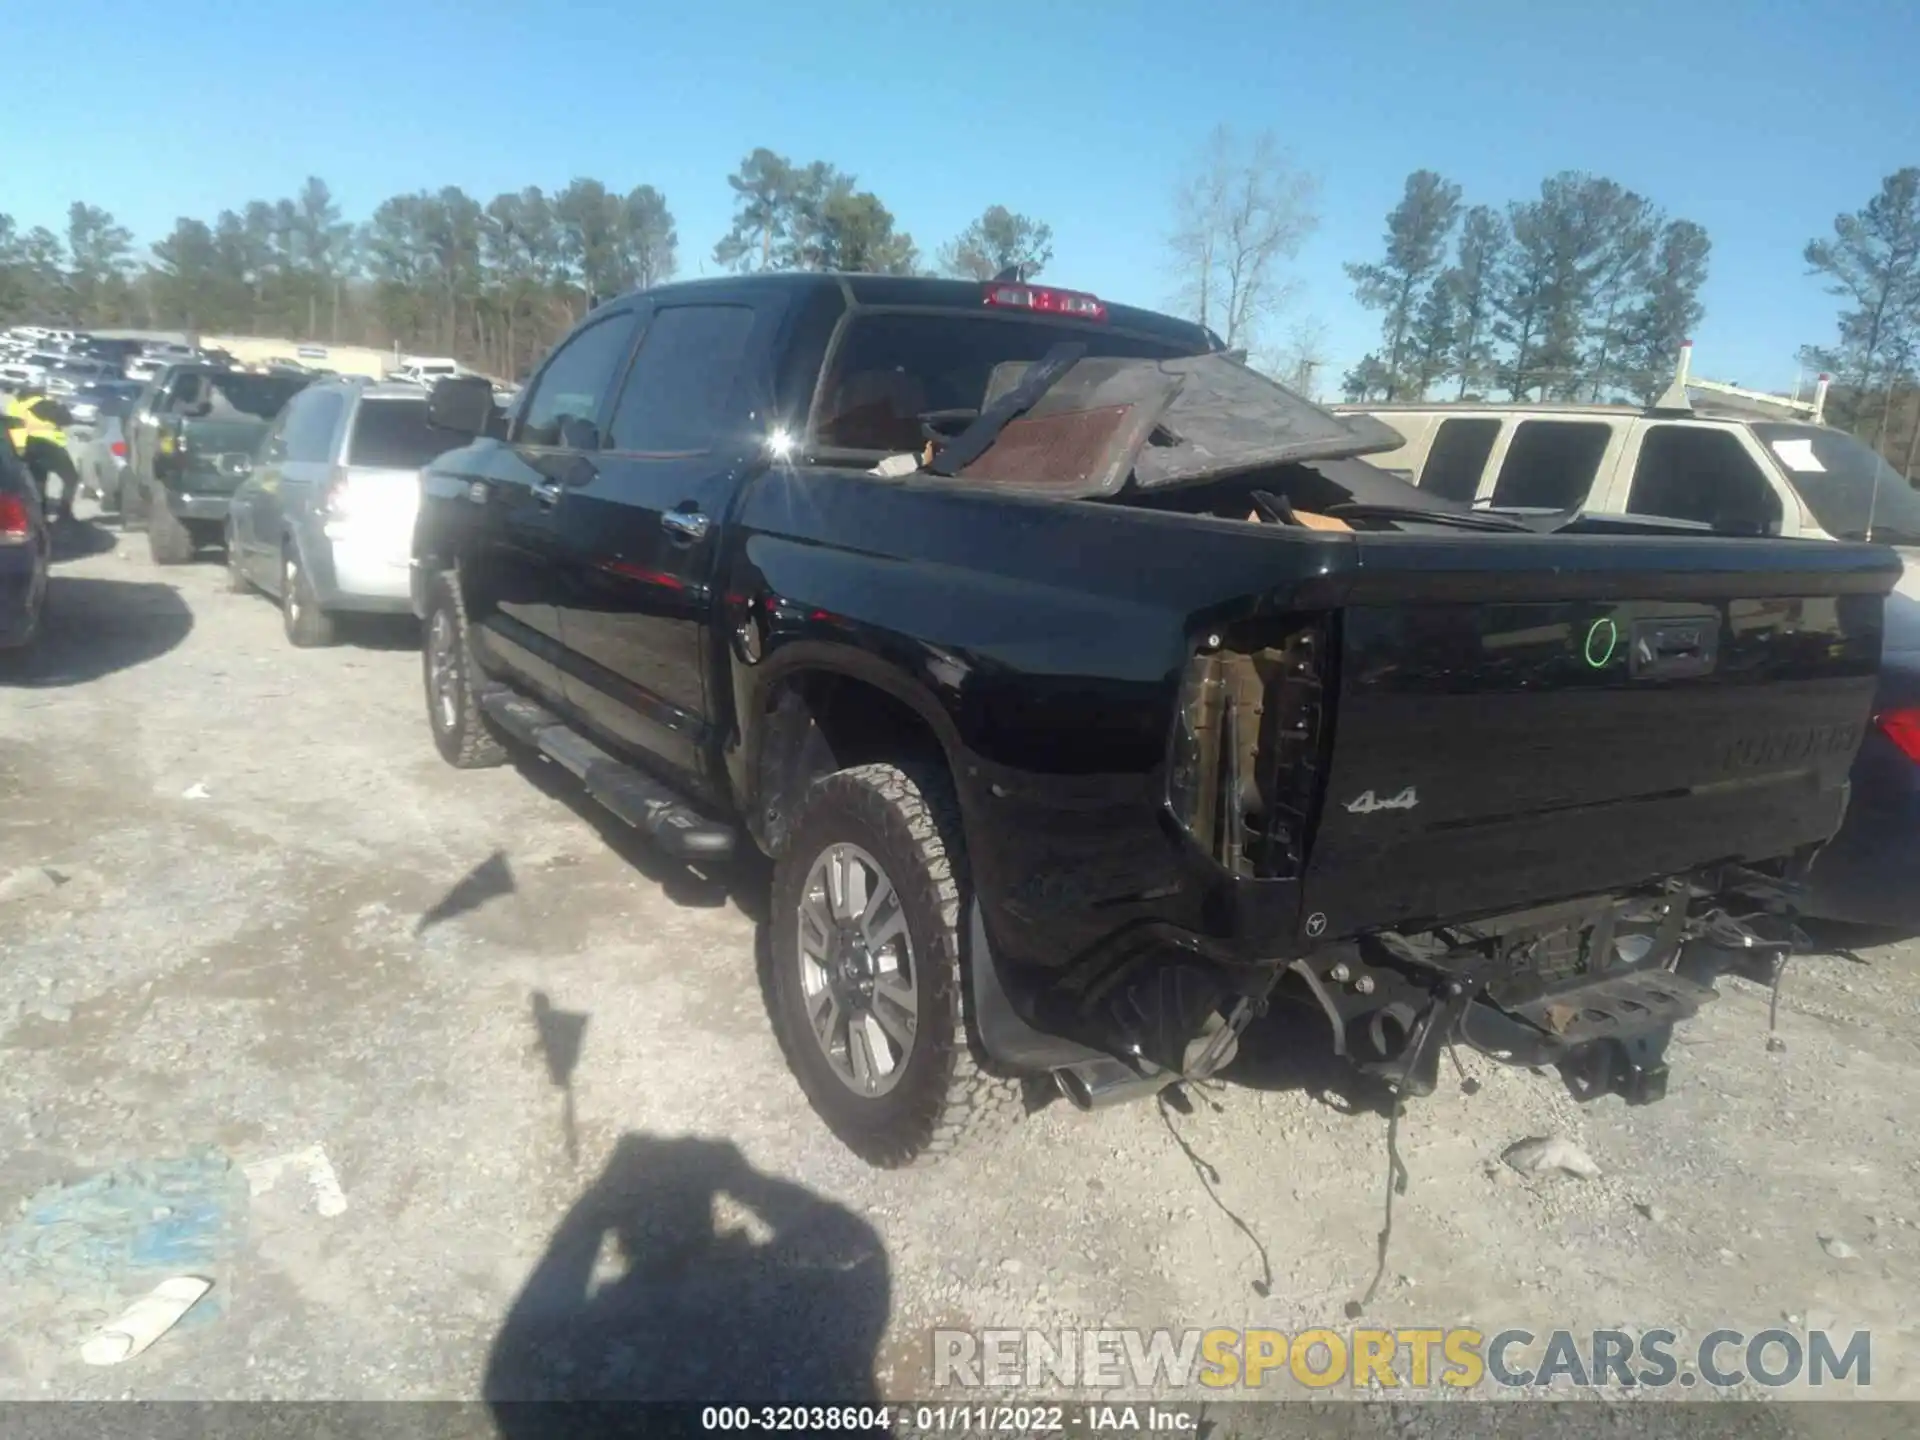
x=515 y=576
x=643 y=532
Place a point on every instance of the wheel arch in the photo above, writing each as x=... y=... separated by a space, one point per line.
x=827 y=711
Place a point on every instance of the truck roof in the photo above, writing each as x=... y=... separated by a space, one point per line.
x=929 y=292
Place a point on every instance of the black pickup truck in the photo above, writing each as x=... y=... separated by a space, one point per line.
x=1089 y=695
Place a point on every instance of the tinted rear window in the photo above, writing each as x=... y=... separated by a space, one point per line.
x=257 y=396
x=394 y=435
x=893 y=368
x=1550 y=464
x=1459 y=454
x=1846 y=484
x=111 y=399
x=1693 y=472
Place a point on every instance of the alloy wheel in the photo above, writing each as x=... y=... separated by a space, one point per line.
x=858 y=975
x=441 y=670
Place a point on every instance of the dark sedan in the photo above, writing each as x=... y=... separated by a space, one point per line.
x=1870 y=874
x=25 y=550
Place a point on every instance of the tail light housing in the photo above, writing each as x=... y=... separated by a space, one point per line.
x=1046 y=301
x=336 y=499
x=1903 y=728
x=16 y=524
x=119 y=449
x=1249 y=748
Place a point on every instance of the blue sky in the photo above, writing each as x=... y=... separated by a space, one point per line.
x=1761 y=120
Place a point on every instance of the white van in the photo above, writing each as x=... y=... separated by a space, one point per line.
x=425 y=369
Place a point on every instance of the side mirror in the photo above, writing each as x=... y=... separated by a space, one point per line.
x=462 y=404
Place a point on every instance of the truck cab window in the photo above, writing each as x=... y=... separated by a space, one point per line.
x=1693 y=472
x=1551 y=464
x=575 y=381
x=1458 y=456
x=892 y=367
x=679 y=398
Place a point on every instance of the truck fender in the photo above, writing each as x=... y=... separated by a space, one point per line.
x=787 y=745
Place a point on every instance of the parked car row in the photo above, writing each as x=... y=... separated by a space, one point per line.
x=58 y=362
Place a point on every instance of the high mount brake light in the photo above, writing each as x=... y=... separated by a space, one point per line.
x=1903 y=728
x=1046 y=302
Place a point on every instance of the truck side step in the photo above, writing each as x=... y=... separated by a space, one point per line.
x=636 y=797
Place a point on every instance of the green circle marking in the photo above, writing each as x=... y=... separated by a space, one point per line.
x=1603 y=627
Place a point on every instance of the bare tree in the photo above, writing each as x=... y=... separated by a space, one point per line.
x=1299 y=362
x=1244 y=209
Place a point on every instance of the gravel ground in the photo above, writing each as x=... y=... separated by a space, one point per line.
x=247 y=911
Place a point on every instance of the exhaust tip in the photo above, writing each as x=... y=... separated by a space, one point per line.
x=1074 y=1087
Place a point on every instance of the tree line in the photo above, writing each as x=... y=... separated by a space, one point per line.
x=491 y=283
x=1586 y=292
x=1581 y=292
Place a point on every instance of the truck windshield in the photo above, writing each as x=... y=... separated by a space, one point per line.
x=893 y=367
x=257 y=396
x=1845 y=483
x=394 y=435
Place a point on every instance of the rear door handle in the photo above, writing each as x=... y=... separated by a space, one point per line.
x=685 y=524
x=548 y=492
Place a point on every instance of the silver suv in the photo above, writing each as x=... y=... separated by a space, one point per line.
x=324 y=523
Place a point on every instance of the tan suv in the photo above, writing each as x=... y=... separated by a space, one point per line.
x=1717 y=464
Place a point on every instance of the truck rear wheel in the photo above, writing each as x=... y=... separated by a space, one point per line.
x=168 y=539
x=460 y=731
x=867 y=987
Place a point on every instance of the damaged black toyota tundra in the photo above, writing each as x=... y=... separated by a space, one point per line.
x=1091 y=694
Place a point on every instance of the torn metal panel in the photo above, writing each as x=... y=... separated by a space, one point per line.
x=1167 y=423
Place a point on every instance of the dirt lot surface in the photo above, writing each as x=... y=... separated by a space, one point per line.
x=248 y=915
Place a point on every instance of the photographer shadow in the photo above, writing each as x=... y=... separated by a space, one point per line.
x=684 y=1274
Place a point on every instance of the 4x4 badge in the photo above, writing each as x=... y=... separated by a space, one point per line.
x=1367 y=803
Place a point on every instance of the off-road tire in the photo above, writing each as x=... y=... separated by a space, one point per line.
x=308 y=627
x=947 y=1096
x=169 y=540
x=467 y=740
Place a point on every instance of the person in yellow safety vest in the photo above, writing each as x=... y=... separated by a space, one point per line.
x=36 y=424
